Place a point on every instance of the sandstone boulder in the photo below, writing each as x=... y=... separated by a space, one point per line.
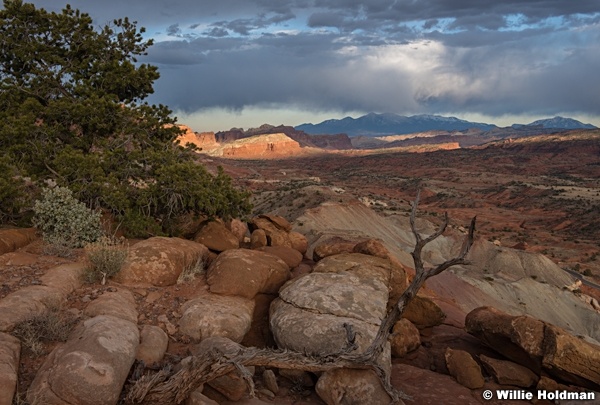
x=216 y=315
x=571 y=359
x=404 y=338
x=215 y=236
x=466 y=370
x=10 y=349
x=331 y=247
x=509 y=373
x=159 y=261
x=351 y=387
x=231 y=385
x=538 y=346
x=386 y=271
x=245 y=273
x=424 y=313
x=91 y=367
x=153 y=345
x=239 y=229
x=298 y=241
x=120 y=304
x=518 y=338
x=313 y=313
x=197 y=398
x=276 y=229
x=258 y=239
x=278 y=221
x=13 y=239
x=290 y=256
x=34 y=300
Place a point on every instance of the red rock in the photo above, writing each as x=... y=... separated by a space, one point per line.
x=466 y=370
x=258 y=239
x=509 y=373
x=159 y=261
x=404 y=338
x=290 y=256
x=423 y=312
x=245 y=273
x=215 y=236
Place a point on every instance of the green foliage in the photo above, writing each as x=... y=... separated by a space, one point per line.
x=106 y=257
x=72 y=110
x=63 y=220
x=13 y=195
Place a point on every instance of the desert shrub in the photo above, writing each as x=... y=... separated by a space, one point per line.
x=75 y=114
x=106 y=258
x=65 y=221
x=587 y=272
x=192 y=271
x=54 y=325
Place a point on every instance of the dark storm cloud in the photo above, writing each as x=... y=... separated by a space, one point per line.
x=480 y=56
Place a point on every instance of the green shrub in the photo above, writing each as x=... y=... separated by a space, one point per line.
x=106 y=258
x=65 y=221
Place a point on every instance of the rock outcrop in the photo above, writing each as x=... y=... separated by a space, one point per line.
x=13 y=239
x=10 y=349
x=159 y=261
x=313 y=312
x=217 y=315
x=538 y=346
x=245 y=273
x=215 y=236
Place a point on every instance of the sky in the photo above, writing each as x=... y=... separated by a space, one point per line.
x=243 y=63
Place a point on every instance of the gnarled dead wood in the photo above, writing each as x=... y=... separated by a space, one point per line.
x=174 y=388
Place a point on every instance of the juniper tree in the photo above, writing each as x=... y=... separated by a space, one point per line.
x=72 y=110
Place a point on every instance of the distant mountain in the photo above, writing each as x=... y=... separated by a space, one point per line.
x=374 y=124
x=563 y=123
x=558 y=123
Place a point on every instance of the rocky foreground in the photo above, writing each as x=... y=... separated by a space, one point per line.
x=268 y=283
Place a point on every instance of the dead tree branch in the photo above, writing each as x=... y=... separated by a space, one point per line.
x=174 y=388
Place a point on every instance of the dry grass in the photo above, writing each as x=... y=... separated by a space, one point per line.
x=54 y=325
x=190 y=273
x=106 y=258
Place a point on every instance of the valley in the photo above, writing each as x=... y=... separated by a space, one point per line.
x=540 y=193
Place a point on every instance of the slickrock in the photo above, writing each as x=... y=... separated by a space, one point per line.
x=10 y=349
x=159 y=261
x=120 y=304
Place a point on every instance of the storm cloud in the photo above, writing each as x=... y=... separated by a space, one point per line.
x=429 y=56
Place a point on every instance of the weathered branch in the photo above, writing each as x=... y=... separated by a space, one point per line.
x=175 y=388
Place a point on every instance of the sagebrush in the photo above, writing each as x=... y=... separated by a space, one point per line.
x=65 y=221
x=106 y=258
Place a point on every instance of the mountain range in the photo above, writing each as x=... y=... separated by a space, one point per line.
x=374 y=124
